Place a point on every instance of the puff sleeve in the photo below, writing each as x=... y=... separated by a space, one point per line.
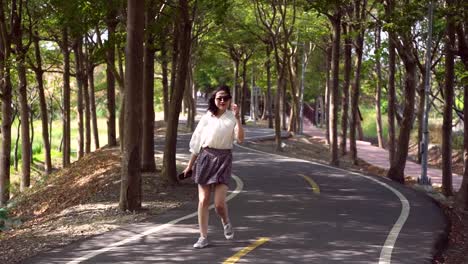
x=197 y=137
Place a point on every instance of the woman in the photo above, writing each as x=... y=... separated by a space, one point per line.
x=211 y=146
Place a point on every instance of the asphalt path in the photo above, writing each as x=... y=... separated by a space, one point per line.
x=283 y=211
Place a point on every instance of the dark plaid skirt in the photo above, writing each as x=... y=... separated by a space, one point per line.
x=213 y=166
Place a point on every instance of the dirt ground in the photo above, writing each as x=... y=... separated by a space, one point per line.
x=82 y=201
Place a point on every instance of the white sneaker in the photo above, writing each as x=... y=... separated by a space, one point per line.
x=228 y=232
x=201 y=243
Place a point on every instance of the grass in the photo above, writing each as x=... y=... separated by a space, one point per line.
x=369 y=126
x=56 y=154
x=369 y=123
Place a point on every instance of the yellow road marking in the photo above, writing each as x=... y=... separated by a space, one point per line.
x=315 y=187
x=246 y=250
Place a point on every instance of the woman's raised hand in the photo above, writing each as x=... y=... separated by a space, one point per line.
x=235 y=109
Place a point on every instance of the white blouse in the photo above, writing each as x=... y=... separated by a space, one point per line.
x=214 y=132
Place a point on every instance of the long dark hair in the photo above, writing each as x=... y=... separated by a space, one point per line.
x=211 y=102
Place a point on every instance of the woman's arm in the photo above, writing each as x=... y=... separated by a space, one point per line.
x=240 y=130
x=190 y=164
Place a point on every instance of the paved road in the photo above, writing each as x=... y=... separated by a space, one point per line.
x=344 y=218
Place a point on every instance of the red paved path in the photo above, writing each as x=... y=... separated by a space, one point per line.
x=379 y=158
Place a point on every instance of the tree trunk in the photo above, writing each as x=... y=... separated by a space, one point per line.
x=396 y=171
x=16 y=35
x=120 y=61
x=294 y=116
x=391 y=100
x=110 y=53
x=278 y=113
x=236 y=76
x=175 y=59
x=280 y=69
x=378 y=90
x=130 y=192
x=327 y=94
x=165 y=74
x=447 y=187
x=92 y=100
x=79 y=82
x=18 y=134
x=25 y=139
x=334 y=91
x=355 y=117
x=31 y=127
x=269 y=100
x=147 y=148
x=6 y=128
x=347 y=77
x=462 y=195
x=87 y=106
x=169 y=159
x=191 y=103
x=243 y=95
x=420 y=115
x=66 y=98
x=43 y=106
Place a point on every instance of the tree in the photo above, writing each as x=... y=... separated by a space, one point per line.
x=462 y=51
x=391 y=99
x=21 y=50
x=130 y=192
x=359 y=14
x=403 y=41
x=39 y=72
x=6 y=97
x=184 y=28
x=346 y=82
x=79 y=82
x=66 y=96
x=272 y=17
x=111 y=22
x=378 y=88
x=447 y=187
x=147 y=155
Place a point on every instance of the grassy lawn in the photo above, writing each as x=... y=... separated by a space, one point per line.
x=56 y=154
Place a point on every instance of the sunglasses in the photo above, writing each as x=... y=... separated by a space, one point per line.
x=224 y=98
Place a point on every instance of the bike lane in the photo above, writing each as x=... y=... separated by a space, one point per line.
x=349 y=221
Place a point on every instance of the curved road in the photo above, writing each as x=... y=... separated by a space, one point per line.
x=284 y=211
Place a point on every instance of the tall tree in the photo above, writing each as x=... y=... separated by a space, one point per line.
x=391 y=99
x=184 y=25
x=272 y=17
x=80 y=96
x=21 y=50
x=90 y=66
x=165 y=72
x=378 y=87
x=462 y=51
x=359 y=15
x=130 y=192
x=346 y=82
x=64 y=45
x=147 y=155
x=447 y=187
x=39 y=72
x=403 y=41
x=6 y=97
x=111 y=22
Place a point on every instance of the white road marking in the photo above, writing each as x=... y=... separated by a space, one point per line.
x=239 y=187
x=386 y=253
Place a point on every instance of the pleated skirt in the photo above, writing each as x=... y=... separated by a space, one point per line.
x=213 y=166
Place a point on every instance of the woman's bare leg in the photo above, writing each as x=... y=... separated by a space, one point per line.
x=204 y=192
x=220 y=202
